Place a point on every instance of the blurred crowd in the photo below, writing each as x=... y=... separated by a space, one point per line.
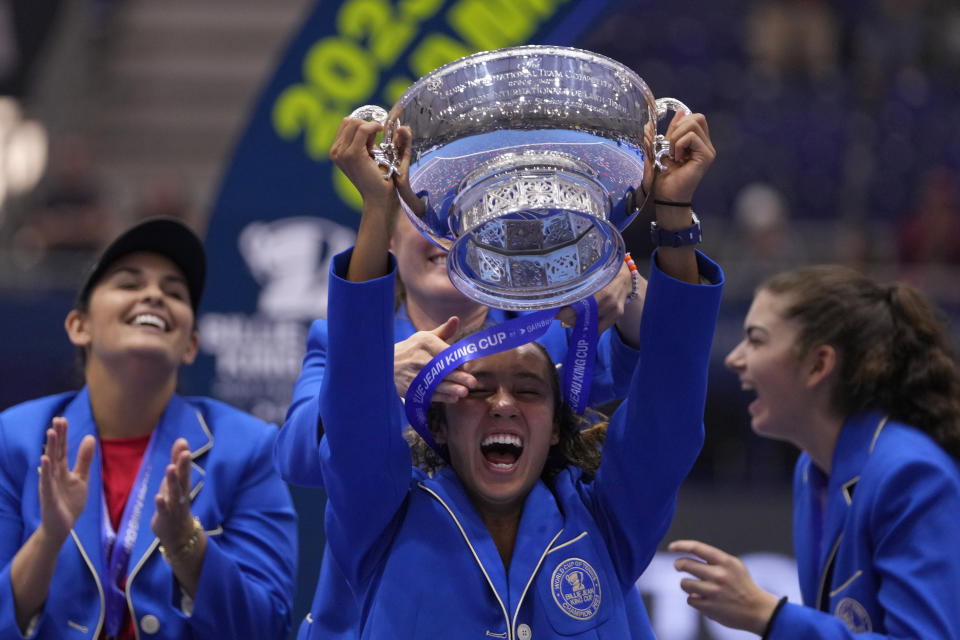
x=838 y=141
x=835 y=123
x=63 y=215
x=835 y=120
x=73 y=212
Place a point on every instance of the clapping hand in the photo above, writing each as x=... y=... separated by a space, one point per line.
x=63 y=493
x=172 y=522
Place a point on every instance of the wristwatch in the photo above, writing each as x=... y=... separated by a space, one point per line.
x=681 y=238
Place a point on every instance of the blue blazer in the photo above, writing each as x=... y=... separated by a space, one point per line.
x=247 y=581
x=882 y=559
x=418 y=558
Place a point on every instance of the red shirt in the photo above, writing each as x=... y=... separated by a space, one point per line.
x=121 y=459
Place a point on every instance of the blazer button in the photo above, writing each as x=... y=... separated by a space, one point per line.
x=149 y=624
x=524 y=632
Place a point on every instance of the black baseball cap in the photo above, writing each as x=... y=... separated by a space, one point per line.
x=168 y=237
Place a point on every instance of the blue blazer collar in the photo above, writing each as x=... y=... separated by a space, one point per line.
x=179 y=420
x=853 y=448
x=86 y=531
x=854 y=445
x=540 y=523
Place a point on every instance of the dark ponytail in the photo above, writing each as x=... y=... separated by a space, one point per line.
x=926 y=390
x=894 y=351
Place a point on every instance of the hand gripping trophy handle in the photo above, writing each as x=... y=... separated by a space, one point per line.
x=386 y=154
x=661 y=146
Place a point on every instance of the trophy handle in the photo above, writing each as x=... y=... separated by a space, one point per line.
x=386 y=155
x=661 y=146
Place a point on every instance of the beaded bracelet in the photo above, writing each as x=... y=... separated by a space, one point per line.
x=634 y=277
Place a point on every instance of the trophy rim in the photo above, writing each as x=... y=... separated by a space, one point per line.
x=487 y=63
x=482 y=57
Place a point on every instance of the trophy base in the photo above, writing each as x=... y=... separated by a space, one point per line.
x=532 y=231
x=537 y=279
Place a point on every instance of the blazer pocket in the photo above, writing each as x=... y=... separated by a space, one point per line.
x=576 y=589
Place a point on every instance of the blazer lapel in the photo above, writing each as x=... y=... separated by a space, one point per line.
x=809 y=509
x=851 y=453
x=179 y=420
x=86 y=530
x=540 y=524
x=446 y=487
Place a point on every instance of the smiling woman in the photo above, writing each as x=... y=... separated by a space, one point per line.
x=513 y=538
x=140 y=307
x=425 y=300
x=75 y=549
x=500 y=457
x=863 y=378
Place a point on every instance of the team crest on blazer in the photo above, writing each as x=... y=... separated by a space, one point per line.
x=576 y=588
x=854 y=615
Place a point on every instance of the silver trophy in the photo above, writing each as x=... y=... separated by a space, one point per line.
x=526 y=163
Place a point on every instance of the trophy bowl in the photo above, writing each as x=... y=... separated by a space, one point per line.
x=526 y=163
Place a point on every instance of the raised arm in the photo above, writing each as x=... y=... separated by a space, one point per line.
x=617 y=351
x=656 y=435
x=351 y=153
x=297 y=451
x=367 y=461
x=692 y=153
x=300 y=443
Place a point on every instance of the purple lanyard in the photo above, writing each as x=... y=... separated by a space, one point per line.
x=117 y=556
x=577 y=366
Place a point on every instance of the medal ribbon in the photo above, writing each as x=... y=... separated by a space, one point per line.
x=117 y=548
x=577 y=367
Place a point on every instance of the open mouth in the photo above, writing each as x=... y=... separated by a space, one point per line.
x=149 y=320
x=440 y=260
x=502 y=450
x=751 y=395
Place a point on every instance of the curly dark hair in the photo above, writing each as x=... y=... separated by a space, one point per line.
x=894 y=350
x=580 y=443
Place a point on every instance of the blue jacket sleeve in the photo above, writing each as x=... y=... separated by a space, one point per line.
x=247 y=580
x=11 y=532
x=366 y=470
x=655 y=436
x=296 y=453
x=616 y=362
